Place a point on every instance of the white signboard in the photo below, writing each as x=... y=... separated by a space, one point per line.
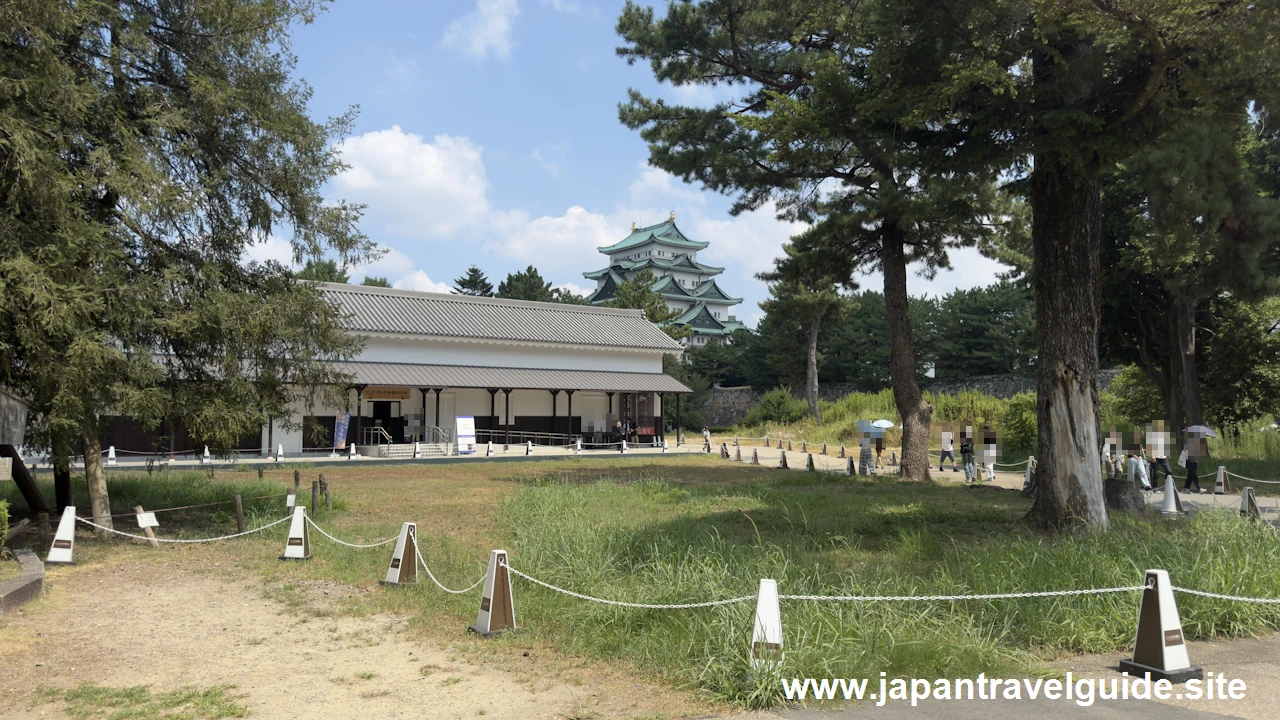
x=6 y=468
x=147 y=519
x=466 y=435
x=289 y=500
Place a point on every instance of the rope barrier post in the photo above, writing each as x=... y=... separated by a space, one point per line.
x=315 y=497
x=1249 y=504
x=239 y=514
x=849 y=470
x=1172 y=505
x=824 y=447
x=1159 y=647
x=328 y=498
x=62 y=552
x=1222 y=486
x=782 y=460
x=766 y=632
x=404 y=566
x=808 y=464
x=755 y=456
x=1031 y=464
x=146 y=524
x=297 y=481
x=42 y=527
x=497 y=606
x=298 y=546
x=111 y=456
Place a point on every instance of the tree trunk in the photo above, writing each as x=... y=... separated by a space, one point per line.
x=1184 y=310
x=811 y=369
x=916 y=413
x=1067 y=238
x=96 y=477
x=61 y=473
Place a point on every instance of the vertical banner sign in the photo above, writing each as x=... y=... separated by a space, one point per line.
x=340 y=425
x=466 y=427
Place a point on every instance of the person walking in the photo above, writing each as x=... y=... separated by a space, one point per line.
x=879 y=440
x=1158 y=442
x=1194 y=450
x=990 y=451
x=1138 y=467
x=706 y=438
x=948 y=436
x=866 y=464
x=966 y=454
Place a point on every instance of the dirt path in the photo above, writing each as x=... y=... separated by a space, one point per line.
x=133 y=623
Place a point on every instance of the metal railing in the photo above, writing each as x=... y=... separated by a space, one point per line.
x=520 y=437
x=376 y=435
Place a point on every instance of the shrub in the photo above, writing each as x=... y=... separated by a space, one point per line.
x=1018 y=423
x=777 y=406
x=4 y=519
x=970 y=406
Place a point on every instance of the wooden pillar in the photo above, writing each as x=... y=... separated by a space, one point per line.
x=678 y=425
x=662 y=418
x=493 y=412
x=424 y=392
x=359 y=397
x=438 y=410
x=570 y=393
x=171 y=434
x=506 y=445
x=555 y=400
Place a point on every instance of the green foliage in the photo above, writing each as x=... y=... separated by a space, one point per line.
x=527 y=284
x=326 y=270
x=861 y=406
x=4 y=518
x=984 y=331
x=1240 y=380
x=147 y=147
x=1132 y=399
x=90 y=701
x=474 y=283
x=693 y=405
x=637 y=294
x=1018 y=423
x=666 y=542
x=776 y=406
x=968 y=406
x=568 y=297
x=375 y=281
x=855 y=347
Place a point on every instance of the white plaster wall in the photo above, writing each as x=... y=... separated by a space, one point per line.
x=434 y=352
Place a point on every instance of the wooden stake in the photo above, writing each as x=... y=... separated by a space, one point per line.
x=151 y=536
x=259 y=473
x=42 y=527
x=328 y=498
x=315 y=497
x=297 y=481
x=240 y=513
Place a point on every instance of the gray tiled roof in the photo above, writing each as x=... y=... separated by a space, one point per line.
x=371 y=309
x=465 y=376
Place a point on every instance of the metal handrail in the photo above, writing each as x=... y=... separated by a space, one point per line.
x=434 y=434
x=375 y=435
x=521 y=436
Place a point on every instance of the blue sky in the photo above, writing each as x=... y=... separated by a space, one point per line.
x=488 y=134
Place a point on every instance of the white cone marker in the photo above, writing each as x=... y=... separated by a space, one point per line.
x=528 y=447
x=404 y=560
x=205 y=459
x=488 y=449
x=64 y=540
x=1159 y=647
x=782 y=460
x=111 y=456
x=497 y=606
x=766 y=633
x=417 y=450
x=298 y=546
x=280 y=453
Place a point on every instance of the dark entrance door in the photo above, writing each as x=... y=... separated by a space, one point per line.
x=387 y=417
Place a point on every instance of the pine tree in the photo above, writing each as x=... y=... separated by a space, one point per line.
x=637 y=294
x=375 y=281
x=526 y=285
x=155 y=143
x=474 y=283
x=326 y=270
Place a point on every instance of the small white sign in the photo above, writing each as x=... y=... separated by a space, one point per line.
x=147 y=519
x=290 y=500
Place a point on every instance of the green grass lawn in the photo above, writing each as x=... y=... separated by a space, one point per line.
x=687 y=529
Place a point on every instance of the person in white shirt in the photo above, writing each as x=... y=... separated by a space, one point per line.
x=948 y=438
x=1158 y=442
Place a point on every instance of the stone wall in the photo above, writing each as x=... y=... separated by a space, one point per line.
x=727 y=406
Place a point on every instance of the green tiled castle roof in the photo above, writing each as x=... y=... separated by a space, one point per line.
x=665 y=233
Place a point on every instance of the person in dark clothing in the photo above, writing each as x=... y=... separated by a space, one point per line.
x=966 y=454
x=1194 y=450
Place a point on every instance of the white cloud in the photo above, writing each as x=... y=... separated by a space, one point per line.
x=554 y=243
x=420 y=281
x=273 y=248
x=568 y=7
x=575 y=289
x=657 y=185
x=484 y=31
x=551 y=158
x=413 y=188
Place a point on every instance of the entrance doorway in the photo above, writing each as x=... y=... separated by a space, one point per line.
x=386 y=415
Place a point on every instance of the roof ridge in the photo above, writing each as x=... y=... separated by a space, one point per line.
x=460 y=298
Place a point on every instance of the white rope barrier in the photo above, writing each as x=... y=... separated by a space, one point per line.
x=1233 y=598
x=1249 y=479
x=437 y=582
x=352 y=545
x=1017 y=464
x=199 y=540
x=951 y=598
x=617 y=603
